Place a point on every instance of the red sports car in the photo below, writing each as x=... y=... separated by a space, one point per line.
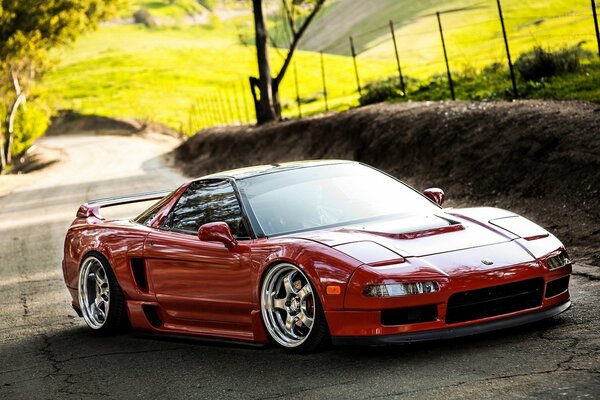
x=307 y=253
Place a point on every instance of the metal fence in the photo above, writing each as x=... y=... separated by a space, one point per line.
x=235 y=106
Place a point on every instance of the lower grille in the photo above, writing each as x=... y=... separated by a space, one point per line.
x=494 y=300
x=554 y=288
x=409 y=315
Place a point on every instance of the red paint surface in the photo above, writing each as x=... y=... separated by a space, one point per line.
x=202 y=287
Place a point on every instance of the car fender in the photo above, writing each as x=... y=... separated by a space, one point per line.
x=324 y=266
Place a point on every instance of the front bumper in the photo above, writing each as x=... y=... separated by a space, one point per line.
x=454 y=332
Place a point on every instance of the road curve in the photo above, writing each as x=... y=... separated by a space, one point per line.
x=46 y=352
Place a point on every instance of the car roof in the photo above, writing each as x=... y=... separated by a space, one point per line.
x=243 y=173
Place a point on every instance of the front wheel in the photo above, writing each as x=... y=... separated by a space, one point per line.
x=292 y=311
x=100 y=297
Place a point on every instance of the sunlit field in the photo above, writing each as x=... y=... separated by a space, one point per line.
x=158 y=74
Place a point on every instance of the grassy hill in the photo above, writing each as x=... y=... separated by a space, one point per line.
x=177 y=74
x=473 y=38
x=165 y=8
x=159 y=74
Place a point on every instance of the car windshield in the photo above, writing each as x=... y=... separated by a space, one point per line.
x=327 y=196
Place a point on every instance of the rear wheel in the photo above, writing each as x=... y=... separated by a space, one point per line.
x=100 y=297
x=292 y=311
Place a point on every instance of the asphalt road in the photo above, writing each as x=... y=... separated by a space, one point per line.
x=46 y=352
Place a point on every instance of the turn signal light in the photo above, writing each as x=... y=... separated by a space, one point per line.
x=334 y=290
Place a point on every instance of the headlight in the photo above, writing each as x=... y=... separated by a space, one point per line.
x=400 y=289
x=559 y=260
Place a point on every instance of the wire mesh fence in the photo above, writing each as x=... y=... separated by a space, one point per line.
x=439 y=44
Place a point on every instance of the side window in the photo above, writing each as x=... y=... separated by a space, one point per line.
x=147 y=216
x=204 y=202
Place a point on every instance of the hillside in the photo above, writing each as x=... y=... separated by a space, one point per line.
x=129 y=71
x=473 y=37
x=344 y=18
x=537 y=158
x=191 y=75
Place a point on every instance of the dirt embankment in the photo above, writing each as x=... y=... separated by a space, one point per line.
x=71 y=122
x=541 y=159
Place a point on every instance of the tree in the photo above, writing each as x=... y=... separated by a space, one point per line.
x=265 y=88
x=28 y=29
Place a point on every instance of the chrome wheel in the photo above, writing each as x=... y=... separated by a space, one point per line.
x=94 y=292
x=288 y=305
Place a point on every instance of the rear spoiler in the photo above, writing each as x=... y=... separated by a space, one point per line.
x=92 y=207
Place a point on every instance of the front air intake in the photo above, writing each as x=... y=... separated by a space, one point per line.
x=494 y=300
x=556 y=287
x=409 y=315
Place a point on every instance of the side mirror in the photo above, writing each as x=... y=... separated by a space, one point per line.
x=217 y=232
x=436 y=195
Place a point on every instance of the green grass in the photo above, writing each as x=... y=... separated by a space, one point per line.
x=130 y=71
x=492 y=83
x=163 y=8
x=473 y=38
x=160 y=74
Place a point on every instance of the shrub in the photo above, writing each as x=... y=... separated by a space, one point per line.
x=208 y=4
x=214 y=22
x=538 y=63
x=143 y=16
x=378 y=91
x=31 y=122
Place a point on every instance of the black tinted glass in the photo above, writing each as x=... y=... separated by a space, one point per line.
x=326 y=196
x=147 y=216
x=204 y=202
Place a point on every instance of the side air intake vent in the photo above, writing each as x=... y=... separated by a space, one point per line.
x=152 y=316
x=138 y=268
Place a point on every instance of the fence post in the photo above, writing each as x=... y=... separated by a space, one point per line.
x=219 y=104
x=237 y=103
x=190 y=119
x=324 y=84
x=200 y=114
x=397 y=58
x=209 y=110
x=450 y=84
x=245 y=103
x=355 y=66
x=510 y=64
x=297 y=91
x=230 y=112
x=596 y=25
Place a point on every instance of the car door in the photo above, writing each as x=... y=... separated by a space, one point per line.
x=200 y=283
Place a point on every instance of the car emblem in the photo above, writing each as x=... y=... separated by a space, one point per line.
x=487 y=261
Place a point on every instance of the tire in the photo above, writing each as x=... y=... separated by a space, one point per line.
x=100 y=297
x=291 y=310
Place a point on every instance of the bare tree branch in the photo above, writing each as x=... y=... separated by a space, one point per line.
x=289 y=17
x=15 y=79
x=287 y=30
x=296 y=39
x=10 y=119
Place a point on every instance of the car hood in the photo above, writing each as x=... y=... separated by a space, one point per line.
x=420 y=235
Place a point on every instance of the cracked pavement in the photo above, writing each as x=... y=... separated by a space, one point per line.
x=46 y=352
